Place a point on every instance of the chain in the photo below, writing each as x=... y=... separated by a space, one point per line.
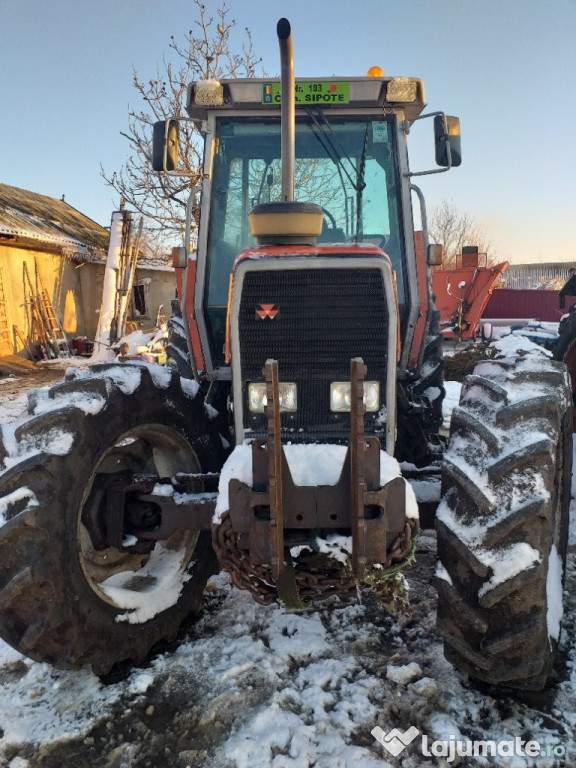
x=312 y=585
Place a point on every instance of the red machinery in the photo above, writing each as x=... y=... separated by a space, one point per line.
x=462 y=294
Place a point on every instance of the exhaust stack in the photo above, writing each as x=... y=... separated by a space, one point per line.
x=288 y=109
x=286 y=221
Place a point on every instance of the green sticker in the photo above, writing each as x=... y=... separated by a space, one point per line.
x=313 y=92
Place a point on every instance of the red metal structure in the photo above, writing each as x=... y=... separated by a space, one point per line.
x=540 y=305
x=463 y=293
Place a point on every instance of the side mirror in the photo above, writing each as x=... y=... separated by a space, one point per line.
x=165 y=143
x=435 y=254
x=447 y=141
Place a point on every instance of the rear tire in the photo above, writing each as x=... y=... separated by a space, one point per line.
x=503 y=521
x=177 y=353
x=63 y=599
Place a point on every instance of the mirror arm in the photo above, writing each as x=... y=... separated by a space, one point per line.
x=444 y=168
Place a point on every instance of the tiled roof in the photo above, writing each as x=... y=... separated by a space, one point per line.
x=28 y=216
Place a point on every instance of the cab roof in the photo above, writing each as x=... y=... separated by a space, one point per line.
x=393 y=93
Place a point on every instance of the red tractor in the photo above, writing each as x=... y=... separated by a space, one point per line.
x=306 y=363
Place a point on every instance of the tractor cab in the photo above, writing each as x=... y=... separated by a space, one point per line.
x=349 y=138
x=345 y=165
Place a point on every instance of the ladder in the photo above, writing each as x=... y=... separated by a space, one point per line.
x=52 y=325
x=5 y=340
x=43 y=322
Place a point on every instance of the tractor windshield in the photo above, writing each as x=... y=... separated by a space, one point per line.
x=347 y=166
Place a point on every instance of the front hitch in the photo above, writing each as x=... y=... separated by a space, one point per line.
x=374 y=514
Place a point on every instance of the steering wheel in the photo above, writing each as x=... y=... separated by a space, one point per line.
x=379 y=240
x=330 y=218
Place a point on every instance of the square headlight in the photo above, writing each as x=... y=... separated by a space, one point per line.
x=257 y=399
x=340 y=396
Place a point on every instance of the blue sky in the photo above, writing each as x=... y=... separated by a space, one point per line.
x=507 y=68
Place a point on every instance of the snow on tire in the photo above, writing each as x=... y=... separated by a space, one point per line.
x=63 y=599
x=502 y=523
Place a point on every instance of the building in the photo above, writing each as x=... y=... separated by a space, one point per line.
x=546 y=276
x=51 y=251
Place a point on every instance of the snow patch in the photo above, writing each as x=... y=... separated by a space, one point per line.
x=52 y=706
x=514 y=345
x=433 y=393
x=336 y=546
x=473 y=534
x=87 y=402
x=19 y=762
x=190 y=387
x=55 y=441
x=442 y=573
x=126 y=378
x=211 y=411
x=20 y=494
x=160 y=375
x=554 y=594
x=141 y=681
x=404 y=674
x=151 y=590
x=506 y=563
x=443 y=727
x=329 y=694
x=293 y=636
x=426 y=491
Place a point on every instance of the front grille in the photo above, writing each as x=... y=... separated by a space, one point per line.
x=314 y=322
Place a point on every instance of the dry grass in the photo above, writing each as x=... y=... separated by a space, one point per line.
x=459 y=365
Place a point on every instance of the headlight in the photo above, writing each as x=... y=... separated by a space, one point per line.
x=257 y=399
x=340 y=396
x=208 y=92
x=401 y=89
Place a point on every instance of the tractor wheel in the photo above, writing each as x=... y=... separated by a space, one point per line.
x=420 y=404
x=503 y=521
x=565 y=347
x=64 y=600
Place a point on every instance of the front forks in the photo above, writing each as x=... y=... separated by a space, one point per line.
x=375 y=514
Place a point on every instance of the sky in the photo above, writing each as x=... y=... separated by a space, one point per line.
x=507 y=68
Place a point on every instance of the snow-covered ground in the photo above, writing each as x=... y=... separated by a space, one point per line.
x=262 y=687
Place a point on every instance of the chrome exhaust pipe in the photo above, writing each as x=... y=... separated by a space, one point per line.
x=286 y=222
x=288 y=109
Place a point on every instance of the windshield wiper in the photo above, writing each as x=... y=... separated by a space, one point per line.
x=337 y=153
x=334 y=148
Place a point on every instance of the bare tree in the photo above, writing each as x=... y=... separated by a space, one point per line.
x=206 y=53
x=453 y=230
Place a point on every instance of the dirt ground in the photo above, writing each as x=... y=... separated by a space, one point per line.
x=31 y=378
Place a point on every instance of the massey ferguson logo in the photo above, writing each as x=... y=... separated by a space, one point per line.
x=267 y=312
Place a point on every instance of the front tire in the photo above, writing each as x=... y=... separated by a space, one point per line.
x=503 y=522
x=63 y=598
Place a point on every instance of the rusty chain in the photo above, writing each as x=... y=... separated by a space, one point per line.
x=312 y=586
